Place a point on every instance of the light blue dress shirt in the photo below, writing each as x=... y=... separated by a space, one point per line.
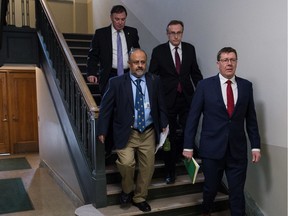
x=145 y=93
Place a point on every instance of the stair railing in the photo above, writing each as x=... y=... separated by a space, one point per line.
x=80 y=105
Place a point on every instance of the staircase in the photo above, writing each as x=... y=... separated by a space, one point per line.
x=179 y=199
x=79 y=45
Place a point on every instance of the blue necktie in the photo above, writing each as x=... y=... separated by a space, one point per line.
x=139 y=106
x=120 y=69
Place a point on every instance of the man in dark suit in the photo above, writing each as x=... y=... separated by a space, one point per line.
x=132 y=133
x=223 y=143
x=178 y=78
x=103 y=50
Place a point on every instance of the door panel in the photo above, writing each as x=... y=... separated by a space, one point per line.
x=4 y=121
x=23 y=112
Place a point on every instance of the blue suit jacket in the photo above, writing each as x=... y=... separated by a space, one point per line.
x=118 y=102
x=218 y=129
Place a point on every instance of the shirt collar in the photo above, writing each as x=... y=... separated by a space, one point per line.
x=114 y=30
x=133 y=78
x=172 y=47
x=223 y=80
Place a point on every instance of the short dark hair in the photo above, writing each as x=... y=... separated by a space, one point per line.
x=118 y=9
x=226 y=50
x=175 y=22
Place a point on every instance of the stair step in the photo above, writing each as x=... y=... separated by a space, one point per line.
x=158 y=183
x=78 y=43
x=80 y=59
x=79 y=51
x=166 y=206
x=78 y=36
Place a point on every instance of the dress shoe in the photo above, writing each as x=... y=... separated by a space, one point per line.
x=170 y=180
x=143 y=206
x=125 y=198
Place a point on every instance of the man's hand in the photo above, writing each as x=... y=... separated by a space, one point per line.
x=256 y=155
x=92 y=79
x=101 y=138
x=187 y=154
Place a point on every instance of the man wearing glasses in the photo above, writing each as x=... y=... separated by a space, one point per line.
x=227 y=105
x=175 y=62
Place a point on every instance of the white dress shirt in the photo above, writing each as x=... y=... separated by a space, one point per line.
x=114 y=48
x=172 y=49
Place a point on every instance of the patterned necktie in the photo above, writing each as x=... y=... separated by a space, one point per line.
x=139 y=106
x=120 y=69
x=178 y=66
x=230 y=98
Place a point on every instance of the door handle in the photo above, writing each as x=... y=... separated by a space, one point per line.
x=5 y=118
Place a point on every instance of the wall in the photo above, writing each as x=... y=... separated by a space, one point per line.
x=80 y=16
x=258 y=30
x=63 y=14
x=53 y=149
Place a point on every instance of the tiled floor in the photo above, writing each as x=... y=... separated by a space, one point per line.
x=47 y=197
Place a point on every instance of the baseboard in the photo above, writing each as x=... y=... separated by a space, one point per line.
x=251 y=207
x=73 y=197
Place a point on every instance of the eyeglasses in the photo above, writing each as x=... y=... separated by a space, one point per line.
x=175 y=33
x=226 y=60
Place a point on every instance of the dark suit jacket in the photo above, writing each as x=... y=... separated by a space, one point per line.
x=118 y=102
x=218 y=130
x=101 y=52
x=163 y=65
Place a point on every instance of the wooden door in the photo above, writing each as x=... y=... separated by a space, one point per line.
x=4 y=124
x=23 y=118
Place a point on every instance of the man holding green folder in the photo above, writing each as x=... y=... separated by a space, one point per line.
x=227 y=105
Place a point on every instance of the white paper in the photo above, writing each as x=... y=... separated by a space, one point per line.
x=163 y=136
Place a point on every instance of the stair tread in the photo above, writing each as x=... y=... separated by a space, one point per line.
x=76 y=47
x=110 y=168
x=162 y=204
x=80 y=56
x=158 y=183
x=82 y=40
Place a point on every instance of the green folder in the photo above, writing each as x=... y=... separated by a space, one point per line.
x=192 y=168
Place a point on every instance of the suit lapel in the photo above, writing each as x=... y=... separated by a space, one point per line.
x=217 y=88
x=170 y=61
x=150 y=88
x=240 y=92
x=109 y=42
x=128 y=89
x=185 y=56
x=128 y=40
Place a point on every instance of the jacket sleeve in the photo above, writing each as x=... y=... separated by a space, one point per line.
x=194 y=117
x=93 y=58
